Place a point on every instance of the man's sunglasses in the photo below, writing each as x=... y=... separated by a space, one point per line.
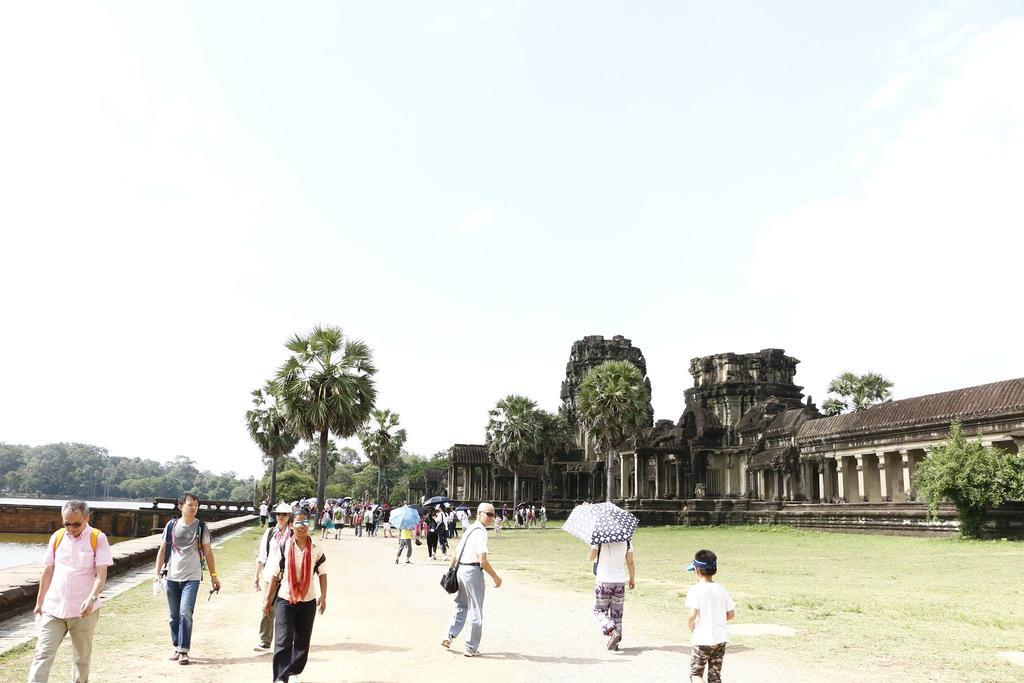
x=73 y=525
x=489 y=514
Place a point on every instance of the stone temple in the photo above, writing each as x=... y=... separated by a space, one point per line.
x=750 y=447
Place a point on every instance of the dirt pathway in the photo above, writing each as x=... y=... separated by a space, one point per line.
x=385 y=622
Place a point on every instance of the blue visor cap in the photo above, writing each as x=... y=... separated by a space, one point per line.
x=697 y=564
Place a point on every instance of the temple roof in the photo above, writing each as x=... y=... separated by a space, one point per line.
x=769 y=459
x=985 y=401
x=473 y=454
x=787 y=422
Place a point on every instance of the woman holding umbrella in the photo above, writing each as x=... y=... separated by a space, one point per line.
x=609 y=531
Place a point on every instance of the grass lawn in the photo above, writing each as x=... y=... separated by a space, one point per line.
x=905 y=608
x=130 y=617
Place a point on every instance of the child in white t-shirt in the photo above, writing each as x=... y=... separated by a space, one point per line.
x=710 y=608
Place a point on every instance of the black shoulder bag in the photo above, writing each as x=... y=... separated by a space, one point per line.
x=450 y=580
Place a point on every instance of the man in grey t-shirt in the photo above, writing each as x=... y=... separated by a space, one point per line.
x=184 y=571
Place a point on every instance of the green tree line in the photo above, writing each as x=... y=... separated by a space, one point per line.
x=59 y=470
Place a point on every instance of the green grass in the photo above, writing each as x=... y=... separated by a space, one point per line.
x=912 y=607
x=134 y=622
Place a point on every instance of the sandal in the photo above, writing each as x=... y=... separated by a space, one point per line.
x=183 y=660
x=446 y=643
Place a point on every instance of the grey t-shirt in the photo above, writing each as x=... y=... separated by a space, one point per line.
x=184 y=561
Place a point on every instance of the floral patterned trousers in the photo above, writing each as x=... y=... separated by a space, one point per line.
x=608 y=601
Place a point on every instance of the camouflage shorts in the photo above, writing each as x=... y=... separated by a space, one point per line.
x=710 y=656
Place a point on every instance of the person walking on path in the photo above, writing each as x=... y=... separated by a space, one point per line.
x=357 y=522
x=610 y=586
x=404 y=541
x=710 y=608
x=292 y=599
x=449 y=516
x=441 y=528
x=431 y=530
x=186 y=549
x=264 y=511
x=68 y=602
x=368 y=520
x=326 y=522
x=339 y=521
x=471 y=557
x=270 y=546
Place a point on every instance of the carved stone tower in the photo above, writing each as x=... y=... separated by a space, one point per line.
x=727 y=385
x=587 y=354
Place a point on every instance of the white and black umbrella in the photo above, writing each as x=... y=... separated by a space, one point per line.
x=600 y=523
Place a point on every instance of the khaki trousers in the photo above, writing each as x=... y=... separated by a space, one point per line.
x=51 y=633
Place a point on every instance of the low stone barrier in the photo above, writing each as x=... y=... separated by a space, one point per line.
x=19 y=585
x=20 y=518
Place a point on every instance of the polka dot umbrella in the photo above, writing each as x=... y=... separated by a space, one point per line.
x=599 y=523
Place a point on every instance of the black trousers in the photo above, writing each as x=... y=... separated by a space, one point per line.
x=431 y=542
x=293 y=627
x=442 y=538
x=451 y=530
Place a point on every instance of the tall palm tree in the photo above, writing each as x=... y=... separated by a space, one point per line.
x=856 y=391
x=555 y=437
x=382 y=441
x=268 y=427
x=612 y=406
x=326 y=387
x=513 y=433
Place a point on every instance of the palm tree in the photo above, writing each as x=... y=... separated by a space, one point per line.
x=612 y=406
x=326 y=388
x=513 y=433
x=857 y=391
x=555 y=437
x=268 y=427
x=382 y=441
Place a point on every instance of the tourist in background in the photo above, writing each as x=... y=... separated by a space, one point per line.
x=292 y=599
x=339 y=520
x=357 y=522
x=430 y=524
x=543 y=513
x=368 y=520
x=266 y=556
x=449 y=516
x=471 y=557
x=68 y=601
x=404 y=541
x=264 y=511
x=612 y=560
x=186 y=550
x=326 y=522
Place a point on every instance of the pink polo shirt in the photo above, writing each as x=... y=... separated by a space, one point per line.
x=74 y=571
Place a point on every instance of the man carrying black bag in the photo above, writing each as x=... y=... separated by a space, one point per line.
x=471 y=560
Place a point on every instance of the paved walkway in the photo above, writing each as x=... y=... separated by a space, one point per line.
x=384 y=622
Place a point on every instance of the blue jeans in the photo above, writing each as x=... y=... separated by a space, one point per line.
x=181 y=601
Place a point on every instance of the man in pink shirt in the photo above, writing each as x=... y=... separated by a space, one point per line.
x=76 y=560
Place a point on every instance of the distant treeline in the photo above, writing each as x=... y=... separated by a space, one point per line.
x=60 y=470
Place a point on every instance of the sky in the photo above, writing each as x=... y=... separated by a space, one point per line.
x=470 y=187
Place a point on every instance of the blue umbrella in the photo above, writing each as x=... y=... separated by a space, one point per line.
x=437 y=500
x=404 y=517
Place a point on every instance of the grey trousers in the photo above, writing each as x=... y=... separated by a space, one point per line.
x=51 y=633
x=469 y=603
x=267 y=629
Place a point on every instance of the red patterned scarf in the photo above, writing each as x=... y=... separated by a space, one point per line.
x=297 y=587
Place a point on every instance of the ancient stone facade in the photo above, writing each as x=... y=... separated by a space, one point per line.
x=747 y=432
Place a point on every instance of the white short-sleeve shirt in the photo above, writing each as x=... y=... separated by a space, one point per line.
x=474 y=539
x=712 y=602
x=611 y=562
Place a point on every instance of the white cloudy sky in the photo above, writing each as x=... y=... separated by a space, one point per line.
x=470 y=187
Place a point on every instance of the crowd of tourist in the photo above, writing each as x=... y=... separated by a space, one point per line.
x=293 y=569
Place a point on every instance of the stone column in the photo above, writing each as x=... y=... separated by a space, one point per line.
x=905 y=458
x=657 y=476
x=883 y=483
x=862 y=492
x=841 y=479
x=636 y=475
x=728 y=476
x=622 y=476
x=743 y=476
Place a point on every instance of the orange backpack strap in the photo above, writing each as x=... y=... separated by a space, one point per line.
x=57 y=539
x=94 y=539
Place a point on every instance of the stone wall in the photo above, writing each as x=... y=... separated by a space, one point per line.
x=20 y=585
x=45 y=519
